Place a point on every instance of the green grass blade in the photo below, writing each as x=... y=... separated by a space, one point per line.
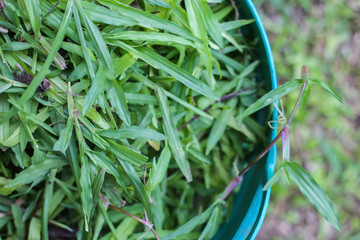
x=150 y=84
x=158 y=170
x=151 y=38
x=198 y=28
x=148 y=20
x=63 y=142
x=273 y=179
x=127 y=154
x=86 y=191
x=19 y=224
x=98 y=42
x=117 y=98
x=192 y=223
x=314 y=193
x=15 y=46
x=35 y=229
x=29 y=92
x=159 y=62
x=271 y=97
x=211 y=23
x=173 y=137
x=160 y=3
x=227 y=26
x=102 y=14
x=138 y=186
x=34 y=12
x=327 y=87
x=83 y=45
x=96 y=88
x=48 y=194
x=218 y=129
x=133 y=132
x=213 y=224
x=104 y=162
x=35 y=172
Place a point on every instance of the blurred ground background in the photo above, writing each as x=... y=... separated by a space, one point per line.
x=325 y=36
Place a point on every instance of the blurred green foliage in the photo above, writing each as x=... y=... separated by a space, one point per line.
x=325 y=36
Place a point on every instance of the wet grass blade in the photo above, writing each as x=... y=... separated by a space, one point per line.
x=173 y=137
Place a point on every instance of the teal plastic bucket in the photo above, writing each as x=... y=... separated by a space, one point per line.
x=250 y=203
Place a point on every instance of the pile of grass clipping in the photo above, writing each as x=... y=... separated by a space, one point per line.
x=124 y=105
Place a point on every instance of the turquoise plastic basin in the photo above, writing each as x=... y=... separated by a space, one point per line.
x=250 y=203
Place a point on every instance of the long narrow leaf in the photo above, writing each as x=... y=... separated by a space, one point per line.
x=314 y=193
x=173 y=137
x=138 y=186
x=271 y=97
x=157 y=61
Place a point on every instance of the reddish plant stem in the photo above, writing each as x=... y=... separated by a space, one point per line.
x=222 y=99
x=145 y=223
x=236 y=180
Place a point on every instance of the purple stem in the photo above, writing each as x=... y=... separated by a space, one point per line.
x=283 y=132
x=146 y=223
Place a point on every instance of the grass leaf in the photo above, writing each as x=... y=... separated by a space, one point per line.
x=30 y=90
x=147 y=19
x=132 y=132
x=219 y=126
x=271 y=97
x=117 y=98
x=63 y=142
x=192 y=223
x=96 y=88
x=327 y=87
x=138 y=186
x=173 y=137
x=159 y=62
x=35 y=172
x=313 y=192
x=273 y=179
x=158 y=170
